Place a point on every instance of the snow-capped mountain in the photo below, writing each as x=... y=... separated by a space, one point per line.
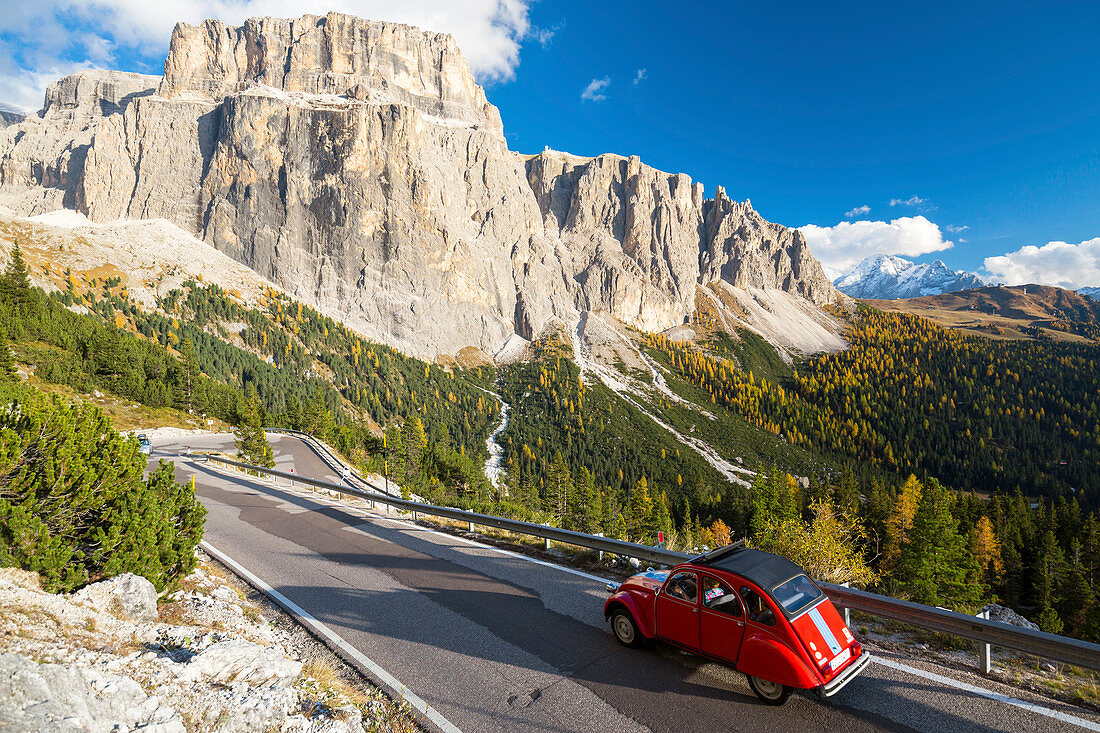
x=1093 y=293
x=887 y=277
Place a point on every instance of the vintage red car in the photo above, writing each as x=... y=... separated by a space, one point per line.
x=754 y=610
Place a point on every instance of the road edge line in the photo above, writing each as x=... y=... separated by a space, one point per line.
x=332 y=501
x=988 y=694
x=305 y=618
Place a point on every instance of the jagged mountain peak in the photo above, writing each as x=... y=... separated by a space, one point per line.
x=334 y=54
x=358 y=165
x=889 y=277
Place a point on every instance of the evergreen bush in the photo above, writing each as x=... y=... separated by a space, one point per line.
x=74 y=505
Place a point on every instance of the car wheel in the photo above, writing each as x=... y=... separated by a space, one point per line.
x=772 y=693
x=624 y=628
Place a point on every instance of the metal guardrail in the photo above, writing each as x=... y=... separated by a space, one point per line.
x=996 y=633
x=1038 y=643
x=555 y=534
x=328 y=456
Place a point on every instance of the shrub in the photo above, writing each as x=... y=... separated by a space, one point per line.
x=73 y=503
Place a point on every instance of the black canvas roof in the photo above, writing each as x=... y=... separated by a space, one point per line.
x=763 y=568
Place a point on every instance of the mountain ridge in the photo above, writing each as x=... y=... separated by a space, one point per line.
x=889 y=277
x=359 y=166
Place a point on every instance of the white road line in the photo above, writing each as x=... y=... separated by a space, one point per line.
x=322 y=498
x=989 y=694
x=484 y=546
x=307 y=618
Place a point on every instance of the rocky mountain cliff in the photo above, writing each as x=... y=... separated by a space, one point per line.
x=358 y=165
x=888 y=277
x=10 y=116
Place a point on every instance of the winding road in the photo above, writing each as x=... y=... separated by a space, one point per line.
x=494 y=641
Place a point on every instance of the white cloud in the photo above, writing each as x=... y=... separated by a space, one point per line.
x=1055 y=263
x=594 y=92
x=842 y=246
x=911 y=201
x=956 y=228
x=640 y=75
x=39 y=34
x=545 y=36
x=858 y=211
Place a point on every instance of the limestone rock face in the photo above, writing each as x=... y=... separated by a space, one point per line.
x=42 y=157
x=746 y=251
x=359 y=166
x=333 y=54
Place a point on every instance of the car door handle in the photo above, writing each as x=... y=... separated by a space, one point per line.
x=740 y=623
x=695 y=610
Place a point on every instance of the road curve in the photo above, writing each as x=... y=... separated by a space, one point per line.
x=496 y=642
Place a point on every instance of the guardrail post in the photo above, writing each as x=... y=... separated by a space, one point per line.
x=471 y=527
x=847 y=612
x=985 y=656
x=600 y=534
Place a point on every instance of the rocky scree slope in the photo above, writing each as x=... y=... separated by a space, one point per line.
x=106 y=659
x=359 y=166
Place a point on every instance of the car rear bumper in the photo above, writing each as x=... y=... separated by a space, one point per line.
x=838 y=683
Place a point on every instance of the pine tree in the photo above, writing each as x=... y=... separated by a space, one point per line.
x=846 y=493
x=875 y=513
x=900 y=521
x=7 y=361
x=986 y=549
x=1049 y=569
x=934 y=562
x=188 y=379
x=618 y=527
x=720 y=532
x=559 y=487
x=774 y=499
x=639 y=515
x=1077 y=598
x=96 y=517
x=394 y=455
x=252 y=445
x=15 y=286
x=415 y=440
x=586 y=507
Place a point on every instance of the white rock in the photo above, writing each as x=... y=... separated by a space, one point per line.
x=49 y=697
x=236 y=661
x=127 y=595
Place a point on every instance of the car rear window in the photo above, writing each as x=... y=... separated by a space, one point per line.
x=796 y=594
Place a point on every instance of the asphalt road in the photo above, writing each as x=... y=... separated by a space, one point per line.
x=495 y=642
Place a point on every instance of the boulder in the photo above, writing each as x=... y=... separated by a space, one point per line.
x=127 y=596
x=1007 y=616
x=51 y=697
x=236 y=661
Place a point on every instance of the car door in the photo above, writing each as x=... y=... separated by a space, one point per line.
x=721 y=620
x=676 y=612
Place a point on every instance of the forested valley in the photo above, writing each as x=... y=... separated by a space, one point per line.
x=944 y=468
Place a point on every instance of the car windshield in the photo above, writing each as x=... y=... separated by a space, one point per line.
x=796 y=593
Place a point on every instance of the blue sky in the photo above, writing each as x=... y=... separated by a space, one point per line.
x=977 y=115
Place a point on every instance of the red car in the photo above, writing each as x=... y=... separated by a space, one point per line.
x=754 y=610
